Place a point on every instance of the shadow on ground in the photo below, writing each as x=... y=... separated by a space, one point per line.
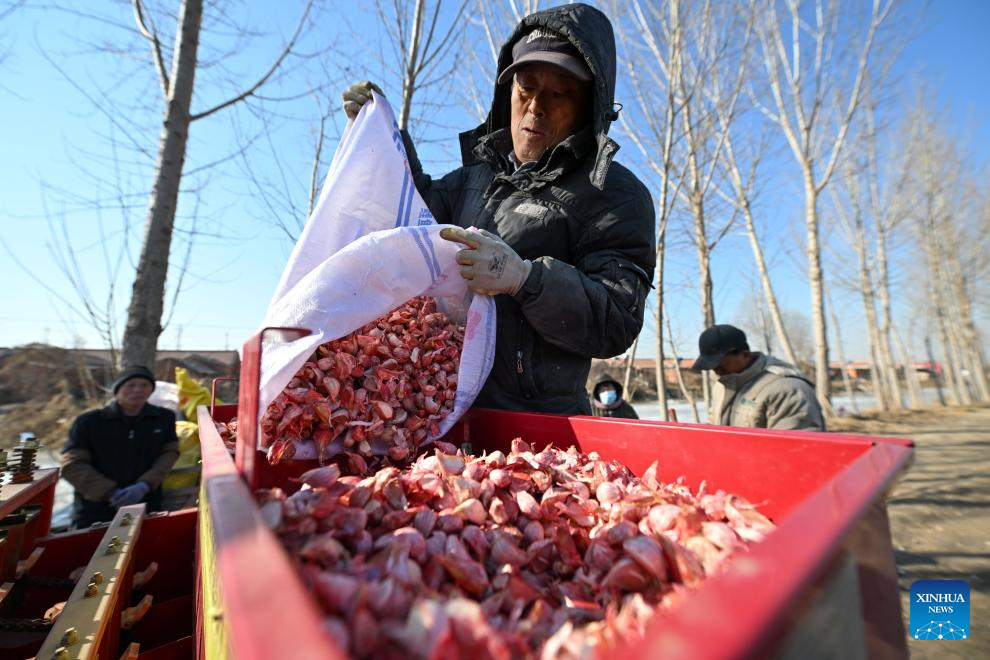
x=940 y=514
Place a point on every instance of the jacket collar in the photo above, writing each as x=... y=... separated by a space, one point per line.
x=494 y=149
x=113 y=411
x=747 y=375
x=607 y=406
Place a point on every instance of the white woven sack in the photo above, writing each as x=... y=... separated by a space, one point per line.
x=369 y=246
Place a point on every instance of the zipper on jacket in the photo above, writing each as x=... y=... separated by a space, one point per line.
x=519 y=364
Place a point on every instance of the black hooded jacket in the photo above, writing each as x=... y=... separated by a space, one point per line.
x=618 y=408
x=585 y=222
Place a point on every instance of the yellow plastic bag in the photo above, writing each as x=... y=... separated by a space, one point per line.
x=188 y=434
x=191 y=394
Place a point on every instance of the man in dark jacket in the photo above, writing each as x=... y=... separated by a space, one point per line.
x=753 y=389
x=565 y=236
x=607 y=401
x=120 y=454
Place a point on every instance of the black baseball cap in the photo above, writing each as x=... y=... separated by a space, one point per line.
x=134 y=372
x=715 y=343
x=541 y=45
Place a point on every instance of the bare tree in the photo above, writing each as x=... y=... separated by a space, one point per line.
x=422 y=48
x=742 y=195
x=489 y=23
x=708 y=49
x=798 y=327
x=910 y=373
x=801 y=85
x=939 y=215
x=177 y=84
x=887 y=214
x=629 y=367
x=853 y=223
x=685 y=391
x=844 y=365
x=753 y=317
x=649 y=43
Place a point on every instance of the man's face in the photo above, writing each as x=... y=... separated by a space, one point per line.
x=548 y=105
x=733 y=363
x=133 y=394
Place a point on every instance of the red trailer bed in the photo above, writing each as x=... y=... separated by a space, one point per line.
x=823 y=581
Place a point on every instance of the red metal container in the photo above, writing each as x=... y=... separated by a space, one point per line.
x=824 y=580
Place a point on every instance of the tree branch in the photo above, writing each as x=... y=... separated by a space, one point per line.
x=268 y=74
x=156 y=47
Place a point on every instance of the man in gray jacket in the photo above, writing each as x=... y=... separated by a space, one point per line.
x=754 y=389
x=563 y=236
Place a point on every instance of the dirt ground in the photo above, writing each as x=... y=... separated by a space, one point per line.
x=940 y=512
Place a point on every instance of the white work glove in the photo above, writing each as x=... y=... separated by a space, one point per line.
x=357 y=95
x=489 y=265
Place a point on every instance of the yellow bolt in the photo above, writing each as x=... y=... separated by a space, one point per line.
x=97 y=578
x=91 y=590
x=126 y=520
x=70 y=637
x=61 y=653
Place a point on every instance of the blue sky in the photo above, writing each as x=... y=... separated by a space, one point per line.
x=53 y=139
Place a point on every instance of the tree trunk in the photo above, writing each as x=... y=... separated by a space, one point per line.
x=685 y=392
x=842 y=359
x=959 y=365
x=910 y=373
x=768 y=292
x=880 y=385
x=816 y=280
x=884 y=327
x=660 y=378
x=940 y=301
x=409 y=75
x=948 y=360
x=936 y=372
x=704 y=287
x=627 y=376
x=147 y=298
x=969 y=338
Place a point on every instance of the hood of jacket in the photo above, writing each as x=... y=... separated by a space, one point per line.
x=590 y=31
x=618 y=394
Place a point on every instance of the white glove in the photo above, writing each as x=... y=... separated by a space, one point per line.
x=357 y=95
x=489 y=264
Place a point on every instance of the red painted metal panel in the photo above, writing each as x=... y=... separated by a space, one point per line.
x=247 y=398
x=180 y=649
x=816 y=486
x=168 y=539
x=165 y=622
x=733 y=459
x=67 y=551
x=819 y=488
x=41 y=491
x=266 y=610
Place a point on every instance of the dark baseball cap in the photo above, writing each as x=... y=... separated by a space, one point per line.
x=715 y=343
x=134 y=372
x=545 y=46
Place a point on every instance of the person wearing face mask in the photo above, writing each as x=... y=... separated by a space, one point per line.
x=753 y=389
x=120 y=454
x=551 y=225
x=607 y=400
